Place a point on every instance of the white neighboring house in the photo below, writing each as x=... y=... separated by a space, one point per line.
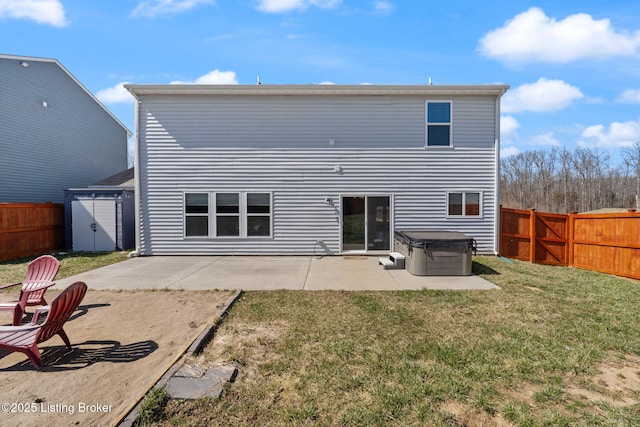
x=54 y=134
x=303 y=169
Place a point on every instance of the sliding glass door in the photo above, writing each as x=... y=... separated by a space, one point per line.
x=366 y=223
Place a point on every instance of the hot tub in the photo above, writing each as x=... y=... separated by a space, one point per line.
x=435 y=252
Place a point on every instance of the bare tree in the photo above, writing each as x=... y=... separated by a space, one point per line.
x=631 y=156
x=559 y=180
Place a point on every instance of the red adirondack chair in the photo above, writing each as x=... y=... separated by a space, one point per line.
x=25 y=338
x=40 y=274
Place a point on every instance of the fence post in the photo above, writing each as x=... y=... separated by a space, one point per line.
x=570 y=237
x=532 y=236
x=500 y=231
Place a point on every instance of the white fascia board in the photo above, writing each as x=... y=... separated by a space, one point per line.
x=317 y=90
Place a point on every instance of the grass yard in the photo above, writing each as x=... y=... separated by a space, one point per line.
x=556 y=346
x=70 y=264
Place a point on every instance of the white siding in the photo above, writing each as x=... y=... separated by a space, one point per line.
x=281 y=145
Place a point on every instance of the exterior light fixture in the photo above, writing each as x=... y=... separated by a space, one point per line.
x=24 y=64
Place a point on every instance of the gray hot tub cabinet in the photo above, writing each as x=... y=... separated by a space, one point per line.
x=435 y=252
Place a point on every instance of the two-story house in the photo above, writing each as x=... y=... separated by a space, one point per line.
x=303 y=169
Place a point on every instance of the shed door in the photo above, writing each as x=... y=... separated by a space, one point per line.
x=104 y=216
x=93 y=225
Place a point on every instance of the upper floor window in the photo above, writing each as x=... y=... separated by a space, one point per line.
x=438 y=124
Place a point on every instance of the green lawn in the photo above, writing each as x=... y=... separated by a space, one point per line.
x=556 y=346
x=70 y=264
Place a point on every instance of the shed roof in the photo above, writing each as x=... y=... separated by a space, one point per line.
x=122 y=179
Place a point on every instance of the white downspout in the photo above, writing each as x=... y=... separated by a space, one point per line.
x=496 y=216
x=136 y=175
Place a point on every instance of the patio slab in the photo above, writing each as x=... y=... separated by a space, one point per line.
x=264 y=273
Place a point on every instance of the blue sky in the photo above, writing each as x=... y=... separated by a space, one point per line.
x=573 y=66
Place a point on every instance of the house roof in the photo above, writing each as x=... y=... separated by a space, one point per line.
x=55 y=61
x=315 y=89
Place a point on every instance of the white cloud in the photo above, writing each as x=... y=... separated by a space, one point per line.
x=215 y=77
x=382 y=7
x=545 y=139
x=509 y=150
x=42 y=11
x=275 y=6
x=618 y=135
x=630 y=96
x=153 y=8
x=532 y=36
x=508 y=125
x=542 y=96
x=115 y=94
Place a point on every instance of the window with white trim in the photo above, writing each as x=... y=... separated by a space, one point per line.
x=237 y=214
x=196 y=214
x=438 y=123
x=227 y=214
x=463 y=203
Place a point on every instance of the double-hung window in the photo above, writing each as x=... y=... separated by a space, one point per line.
x=227 y=214
x=438 y=123
x=237 y=214
x=196 y=214
x=463 y=204
x=258 y=214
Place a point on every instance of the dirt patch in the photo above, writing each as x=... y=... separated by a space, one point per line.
x=470 y=417
x=617 y=383
x=122 y=343
x=251 y=345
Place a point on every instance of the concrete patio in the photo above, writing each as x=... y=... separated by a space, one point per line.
x=261 y=273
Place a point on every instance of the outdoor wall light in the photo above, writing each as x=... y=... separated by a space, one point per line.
x=337 y=168
x=24 y=64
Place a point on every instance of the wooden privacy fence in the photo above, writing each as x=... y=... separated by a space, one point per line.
x=30 y=229
x=608 y=242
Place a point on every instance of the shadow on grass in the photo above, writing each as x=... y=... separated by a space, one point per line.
x=478 y=268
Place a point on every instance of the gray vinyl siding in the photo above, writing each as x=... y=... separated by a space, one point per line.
x=281 y=145
x=308 y=122
x=73 y=142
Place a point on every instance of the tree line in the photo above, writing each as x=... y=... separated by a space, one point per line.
x=562 y=181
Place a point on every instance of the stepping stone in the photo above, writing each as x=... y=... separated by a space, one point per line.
x=193 y=381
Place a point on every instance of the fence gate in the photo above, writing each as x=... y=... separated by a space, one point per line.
x=551 y=236
x=533 y=236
